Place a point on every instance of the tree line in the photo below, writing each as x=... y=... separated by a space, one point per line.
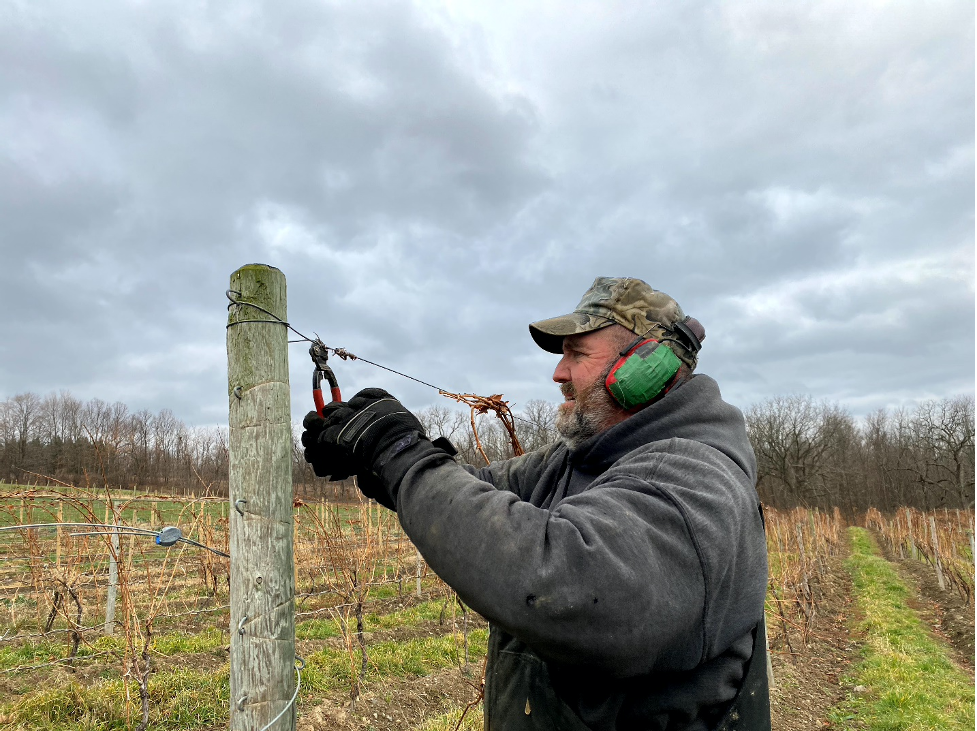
x=58 y=438
x=809 y=453
x=815 y=454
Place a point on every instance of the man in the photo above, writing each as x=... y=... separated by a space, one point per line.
x=622 y=569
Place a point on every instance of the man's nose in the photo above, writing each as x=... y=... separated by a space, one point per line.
x=562 y=372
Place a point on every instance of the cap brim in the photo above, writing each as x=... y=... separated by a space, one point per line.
x=549 y=334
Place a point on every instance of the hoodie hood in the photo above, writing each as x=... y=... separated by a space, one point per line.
x=694 y=411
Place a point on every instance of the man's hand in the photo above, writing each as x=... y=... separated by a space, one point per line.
x=361 y=437
x=327 y=459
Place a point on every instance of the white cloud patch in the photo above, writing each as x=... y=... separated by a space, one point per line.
x=282 y=230
x=811 y=302
x=958 y=161
x=789 y=206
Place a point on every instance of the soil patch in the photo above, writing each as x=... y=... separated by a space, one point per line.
x=808 y=683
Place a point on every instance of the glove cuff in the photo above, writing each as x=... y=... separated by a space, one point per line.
x=373 y=487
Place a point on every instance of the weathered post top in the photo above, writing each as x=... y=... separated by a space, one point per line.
x=260 y=487
x=257 y=343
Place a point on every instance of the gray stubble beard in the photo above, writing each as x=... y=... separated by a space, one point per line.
x=594 y=411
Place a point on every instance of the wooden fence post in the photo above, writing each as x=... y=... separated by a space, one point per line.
x=936 y=555
x=262 y=652
x=57 y=535
x=113 y=591
x=972 y=557
x=913 y=553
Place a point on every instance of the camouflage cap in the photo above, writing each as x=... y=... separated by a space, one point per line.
x=627 y=302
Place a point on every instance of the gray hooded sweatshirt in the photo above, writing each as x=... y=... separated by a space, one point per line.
x=621 y=579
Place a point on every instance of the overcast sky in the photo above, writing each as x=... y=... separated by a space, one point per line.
x=431 y=177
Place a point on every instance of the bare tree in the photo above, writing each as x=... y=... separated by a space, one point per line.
x=939 y=450
x=536 y=424
x=440 y=421
x=25 y=409
x=798 y=443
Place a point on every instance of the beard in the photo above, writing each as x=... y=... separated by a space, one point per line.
x=592 y=412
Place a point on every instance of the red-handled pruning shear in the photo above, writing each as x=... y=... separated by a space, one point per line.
x=320 y=354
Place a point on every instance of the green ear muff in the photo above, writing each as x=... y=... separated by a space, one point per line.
x=642 y=373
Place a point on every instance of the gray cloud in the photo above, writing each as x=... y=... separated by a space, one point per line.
x=432 y=178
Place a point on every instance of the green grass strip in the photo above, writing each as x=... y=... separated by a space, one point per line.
x=912 y=685
x=182 y=699
x=412 y=616
x=40 y=650
x=430 y=611
x=332 y=668
x=187 y=698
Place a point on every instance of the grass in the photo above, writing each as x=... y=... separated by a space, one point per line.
x=331 y=667
x=317 y=629
x=320 y=629
x=410 y=617
x=448 y=721
x=137 y=508
x=911 y=683
x=35 y=652
x=178 y=700
x=178 y=642
x=190 y=686
x=42 y=650
x=186 y=698
x=422 y=656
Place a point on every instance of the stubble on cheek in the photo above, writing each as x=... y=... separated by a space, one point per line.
x=591 y=411
x=575 y=420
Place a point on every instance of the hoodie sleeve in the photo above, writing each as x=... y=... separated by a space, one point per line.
x=611 y=578
x=518 y=475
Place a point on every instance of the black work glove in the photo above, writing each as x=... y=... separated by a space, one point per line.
x=327 y=459
x=370 y=438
